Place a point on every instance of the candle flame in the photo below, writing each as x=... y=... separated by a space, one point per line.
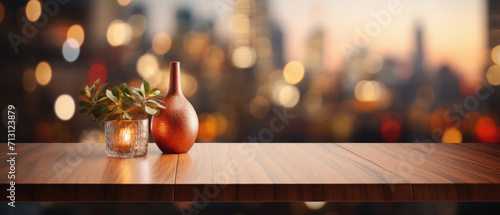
x=126 y=136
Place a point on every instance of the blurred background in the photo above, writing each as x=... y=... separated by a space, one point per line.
x=364 y=71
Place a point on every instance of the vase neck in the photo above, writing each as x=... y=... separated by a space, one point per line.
x=175 y=78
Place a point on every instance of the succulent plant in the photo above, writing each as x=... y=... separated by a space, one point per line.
x=120 y=103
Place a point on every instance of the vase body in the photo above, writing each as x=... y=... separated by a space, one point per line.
x=126 y=138
x=175 y=128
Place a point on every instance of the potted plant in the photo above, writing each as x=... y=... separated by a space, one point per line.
x=124 y=111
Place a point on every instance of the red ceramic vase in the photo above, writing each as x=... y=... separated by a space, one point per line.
x=175 y=129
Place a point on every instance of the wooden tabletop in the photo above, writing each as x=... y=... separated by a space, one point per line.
x=258 y=172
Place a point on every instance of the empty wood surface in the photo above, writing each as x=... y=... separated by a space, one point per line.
x=82 y=172
x=439 y=172
x=283 y=172
x=258 y=172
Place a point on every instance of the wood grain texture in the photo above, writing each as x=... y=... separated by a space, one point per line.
x=46 y=172
x=259 y=172
x=440 y=172
x=282 y=172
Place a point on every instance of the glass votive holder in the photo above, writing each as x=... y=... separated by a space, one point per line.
x=126 y=138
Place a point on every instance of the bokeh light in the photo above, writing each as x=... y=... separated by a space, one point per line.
x=43 y=132
x=391 y=130
x=71 y=50
x=452 y=135
x=486 y=130
x=244 y=57
x=372 y=63
x=213 y=63
x=470 y=122
x=221 y=122
x=468 y=86
x=239 y=24
x=208 y=127
x=197 y=44
x=390 y=126
x=97 y=71
x=33 y=10
x=64 y=107
x=138 y=23
x=2 y=12
x=119 y=33
x=124 y=2
x=147 y=66
x=275 y=91
x=263 y=46
x=425 y=96
x=495 y=54
x=436 y=119
x=293 y=72
x=254 y=51
x=259 y=107
x=313 y=100
x=189 y=85
x=29 y=80
x=314 y=205
x=76 y=32
x=368 y=91
x=43 y=73
x=289 y=96
x=161 y=43
x=493 y=75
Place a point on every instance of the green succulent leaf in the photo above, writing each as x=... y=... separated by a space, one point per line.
x=151 y=111
x=110 y=95
x=145 y=87
x=100 y=108
x=101 y=88
x=124 y=89
x=123 y=86
x=126 y=99
x=154 y=92
x=92 y=89
x=137 y=91
x=123 y=101
x=84 y=103
x=116 y=92
x=127 y=115
x=102 y=98
x=155 y=103
x=87 y=92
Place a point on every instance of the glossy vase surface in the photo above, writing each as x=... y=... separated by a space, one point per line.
x=175 y=129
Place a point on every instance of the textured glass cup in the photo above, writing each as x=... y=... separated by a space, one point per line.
x=126 y=138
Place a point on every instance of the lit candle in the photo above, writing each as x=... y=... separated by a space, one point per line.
x=125 y=137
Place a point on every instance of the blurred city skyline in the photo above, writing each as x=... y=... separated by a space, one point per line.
x=387 y=71
x=457 y=28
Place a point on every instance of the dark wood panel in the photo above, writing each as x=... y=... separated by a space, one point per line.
x=260 y=172
x=93 y=192
x=292 y=192
x=456 y=192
